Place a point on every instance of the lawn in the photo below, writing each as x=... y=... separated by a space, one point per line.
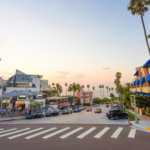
x=131 y=116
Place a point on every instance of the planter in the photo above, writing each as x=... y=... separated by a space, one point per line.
x=147 y=117
x=140 y=111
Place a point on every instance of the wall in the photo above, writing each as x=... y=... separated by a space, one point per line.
x=10 y=89
x=36 y=81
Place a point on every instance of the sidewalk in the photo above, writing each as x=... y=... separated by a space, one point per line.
x=144 y=123
x=3 y=119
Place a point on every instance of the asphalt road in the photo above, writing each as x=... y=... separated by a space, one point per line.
x=72 y=137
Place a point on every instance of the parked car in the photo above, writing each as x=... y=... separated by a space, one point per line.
x=36 y=115
x=88 y=109
x=116 y=114
x=52 y=113
x=77 y=110
x=107 y=105
x=98 y=110
x=67 y=111
x=96 y=105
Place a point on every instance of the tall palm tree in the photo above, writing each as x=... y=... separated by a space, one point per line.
x=140 y=7
x=53 y=84
x=107 y=90
x=88 y=86
x=112 y=90
x=93 y=91
x=82 y=87
x=70 y=89
x=66 y=88
x=59 y=88
x=100 y=86
x=103 y=90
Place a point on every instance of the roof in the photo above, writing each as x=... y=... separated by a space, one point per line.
x=19 y=93
x=147 y=64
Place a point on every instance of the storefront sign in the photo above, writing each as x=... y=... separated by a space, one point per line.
x=5 y=101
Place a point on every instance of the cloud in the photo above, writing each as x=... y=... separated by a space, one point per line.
x=10 y=73
x=59 y=76
x=63 y=73
x=80 y=76
x=106 y=68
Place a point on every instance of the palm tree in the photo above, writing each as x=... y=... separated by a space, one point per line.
x=66 y=88
x=82 y=87
x=148 y=36
x=88 y=86
x=53 y=84
x=112 y=90
x=103 y=89
x=100 y=90
x=70 y=89
x=59 y=88
x=107 y=91
x=140 y=7
x=93 y=91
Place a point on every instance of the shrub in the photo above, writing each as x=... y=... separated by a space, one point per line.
x=148 y=111
x=86 y=104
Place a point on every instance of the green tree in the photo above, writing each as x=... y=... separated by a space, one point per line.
x=112 y=96
x=59 y=89
x=100 y=86
x=70 y=89
x=103 y=90
x=140 y=7
x=93 y=90
x=107 y=90
x=66 y=88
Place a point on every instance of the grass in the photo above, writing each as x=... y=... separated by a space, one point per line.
x=131 y=116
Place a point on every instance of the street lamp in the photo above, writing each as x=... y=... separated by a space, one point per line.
x=136 y=120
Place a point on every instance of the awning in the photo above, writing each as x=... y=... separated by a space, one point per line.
x=136 y=92
x=137 y=82
x=146 y=64
x=147 y=78
x=136 y=73
x=148 y=94
x=141 y=93
x=142 y=80
x=64 y=104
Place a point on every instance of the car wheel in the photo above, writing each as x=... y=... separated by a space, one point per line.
x=115 y=117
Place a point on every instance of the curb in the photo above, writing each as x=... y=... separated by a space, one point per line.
x=129 y=122
x=11 y=119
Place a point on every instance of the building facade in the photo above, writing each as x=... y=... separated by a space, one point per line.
x=85 y=97
x=141 y=83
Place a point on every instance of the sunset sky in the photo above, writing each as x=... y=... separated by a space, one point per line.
x=82 y=41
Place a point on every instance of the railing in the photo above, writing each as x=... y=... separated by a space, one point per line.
x=146 y=89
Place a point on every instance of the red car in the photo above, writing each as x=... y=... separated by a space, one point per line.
x=107 y=105
x=88 y=109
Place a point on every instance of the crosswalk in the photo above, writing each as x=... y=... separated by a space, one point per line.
x=66 y=132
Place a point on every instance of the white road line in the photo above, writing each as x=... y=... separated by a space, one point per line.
x=8 y=130
x=1 y=129
x=54 y=133
x=14 y=132
x=101 y=133
x=31 y=136
x=117 y=132
x=86 y=133
x=70 y=133
x=132 y=133
x=15 y=136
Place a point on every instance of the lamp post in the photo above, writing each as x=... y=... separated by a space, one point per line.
x=136 y=120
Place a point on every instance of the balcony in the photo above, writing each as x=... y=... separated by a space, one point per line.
x=139 y=89
x=133 y=89
x=146 y=89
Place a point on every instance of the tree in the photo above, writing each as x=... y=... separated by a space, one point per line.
x=112 y=96
x=74 y=88
x=79 y=88
x=148 y=36
x=103 y=90
x=88 y=86
x=70 y=89
x=100 y=86
x=107 y=90
x=140 y=7
x=66 y=88
x=59 y=89
x=93 y=90
x=53 y=84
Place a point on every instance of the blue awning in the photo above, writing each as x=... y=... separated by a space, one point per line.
x=147 y=78
x=146 y=64
x=141 y=93
x=148 y=94
x=142 y=80
x=136 y=73
x=136 y=92
x=137 y=82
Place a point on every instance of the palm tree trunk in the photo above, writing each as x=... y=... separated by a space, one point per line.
x=145 y=34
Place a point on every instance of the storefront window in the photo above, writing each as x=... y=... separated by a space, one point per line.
x=22 y=97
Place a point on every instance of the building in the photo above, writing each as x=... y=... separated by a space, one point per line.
x=43 y=84
x=23 y=82
x=85 y=97
x=22 y=99
x=141 y=83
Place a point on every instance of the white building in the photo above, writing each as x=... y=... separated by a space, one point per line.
x=23 y=82
x=43 y=84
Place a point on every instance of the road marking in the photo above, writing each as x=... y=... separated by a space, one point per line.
x=13 y=132
x=70 y=133
x=1 y=129
x=31 y=136
x=54 y=133
x=15 y=136
x=117 y=132
x=101 y=133
x=86 y=133
x=132 y=133
x=8 y=130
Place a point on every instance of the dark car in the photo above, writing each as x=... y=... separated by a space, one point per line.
x=67 y=111
x=116 y=114
x=107 y=105
x=77 y=110
x=52 y=113
x=36 y=115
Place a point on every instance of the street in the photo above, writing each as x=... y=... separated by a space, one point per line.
x=84 y=130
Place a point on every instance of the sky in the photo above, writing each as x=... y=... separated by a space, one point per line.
x=66 y=41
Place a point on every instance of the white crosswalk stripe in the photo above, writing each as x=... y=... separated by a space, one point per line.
x=86 y=133
x=117 y=132
x=132 y=133
x=34 y=135
x=14 y=132
x=101 y=133
x=7 y=130
x=18 y=135
x=70 y=133
x=1 y=129
x=57 y=132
